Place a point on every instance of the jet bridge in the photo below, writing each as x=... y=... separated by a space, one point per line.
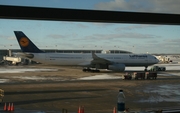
x=13 y=60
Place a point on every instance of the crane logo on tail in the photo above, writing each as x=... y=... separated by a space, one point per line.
x=24 y=42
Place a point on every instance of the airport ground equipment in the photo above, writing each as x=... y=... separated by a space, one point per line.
x=164 y=59
x=12 y=60
x=158 y=68
x=128 y=76
x=1 y=95
x=151 y=75
x=139 y=75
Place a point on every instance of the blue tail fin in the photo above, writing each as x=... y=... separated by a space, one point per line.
x=25 y=43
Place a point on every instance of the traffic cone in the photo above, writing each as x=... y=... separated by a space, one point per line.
x=5 y=107
x=12 y=107
x=82 y=109
x=9 y=107
x=79 y=109
x=114 y=110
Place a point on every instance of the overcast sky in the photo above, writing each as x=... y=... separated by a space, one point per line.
x=138 y=38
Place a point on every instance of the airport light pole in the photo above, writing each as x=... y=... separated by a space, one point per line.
x=82 y=49
x=114 y=49
x=95 y=48
x=56 y=48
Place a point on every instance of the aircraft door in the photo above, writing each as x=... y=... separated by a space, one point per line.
x=148 y=59
x=48 y=59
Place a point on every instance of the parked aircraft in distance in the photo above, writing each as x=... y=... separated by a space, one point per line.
x=169 y=58
x=90 y=61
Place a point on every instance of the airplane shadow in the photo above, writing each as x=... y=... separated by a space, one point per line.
x=49 y=100
x=54 y=91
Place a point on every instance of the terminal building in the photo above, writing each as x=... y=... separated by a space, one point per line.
x=9 y=54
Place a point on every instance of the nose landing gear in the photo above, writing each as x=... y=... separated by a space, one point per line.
x=145 y=68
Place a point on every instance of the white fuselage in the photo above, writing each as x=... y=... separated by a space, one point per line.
x=83 y=59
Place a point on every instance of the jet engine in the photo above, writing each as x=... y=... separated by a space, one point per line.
x=24 y=55
x=117 y=67
x=29 y=55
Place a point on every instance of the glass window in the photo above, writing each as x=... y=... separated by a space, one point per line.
x=136 y=38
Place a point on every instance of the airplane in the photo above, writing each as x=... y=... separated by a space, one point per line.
x=90 y=61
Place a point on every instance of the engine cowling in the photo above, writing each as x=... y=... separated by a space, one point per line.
x=29 y=55
x=117 y=67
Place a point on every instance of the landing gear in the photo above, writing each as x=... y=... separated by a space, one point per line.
x=86 y=69
x=90 y=70
x=96 y=70
x=145 y=68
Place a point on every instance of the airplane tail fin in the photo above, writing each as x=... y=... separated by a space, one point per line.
x=25 y=43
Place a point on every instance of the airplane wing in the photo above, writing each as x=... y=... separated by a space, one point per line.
x=102 y=63
x=98 y=60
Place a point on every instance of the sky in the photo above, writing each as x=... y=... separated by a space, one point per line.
x=137 y=38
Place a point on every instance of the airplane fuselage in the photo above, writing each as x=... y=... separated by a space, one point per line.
x=84 y=59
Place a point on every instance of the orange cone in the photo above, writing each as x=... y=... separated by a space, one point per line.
x=5 y=107
x=9 y=107
x=114 y=110
x=12 y=107
x=79 y=109
x=82 y=109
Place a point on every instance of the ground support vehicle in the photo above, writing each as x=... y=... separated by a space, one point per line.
x=158 y=68
x=128 y=76
x=139 y=75
x=151 y=75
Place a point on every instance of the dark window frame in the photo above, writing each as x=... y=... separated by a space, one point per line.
x=79 y=15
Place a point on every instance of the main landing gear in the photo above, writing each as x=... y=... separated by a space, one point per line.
x=90 y=70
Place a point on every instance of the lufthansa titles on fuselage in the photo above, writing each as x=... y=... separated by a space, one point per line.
x=138 y=56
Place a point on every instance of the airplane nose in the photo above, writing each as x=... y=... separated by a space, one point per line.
x=157 y=61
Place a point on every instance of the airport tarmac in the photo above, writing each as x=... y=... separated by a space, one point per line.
x=49 y=89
